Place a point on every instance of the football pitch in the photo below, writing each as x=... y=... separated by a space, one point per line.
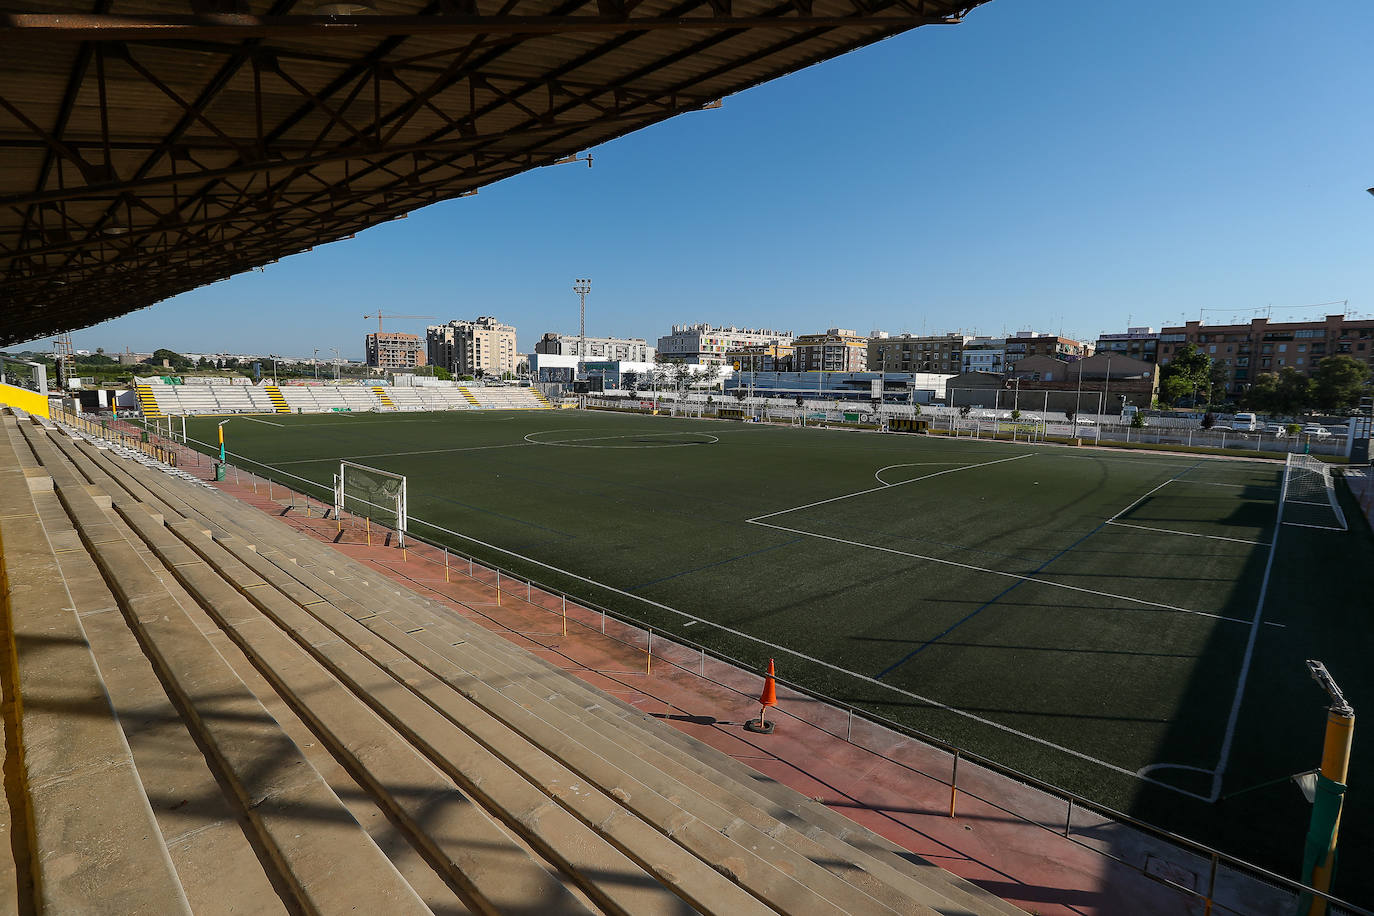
x=1129 y=627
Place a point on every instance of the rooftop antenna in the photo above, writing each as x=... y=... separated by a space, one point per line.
x=582 y=286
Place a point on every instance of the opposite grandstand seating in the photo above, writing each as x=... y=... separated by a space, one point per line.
x=385 y=754
x=159 y=399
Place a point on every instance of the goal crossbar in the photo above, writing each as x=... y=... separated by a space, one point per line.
x=371 y=492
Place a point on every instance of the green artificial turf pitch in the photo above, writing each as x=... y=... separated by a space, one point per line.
x=1083 y=616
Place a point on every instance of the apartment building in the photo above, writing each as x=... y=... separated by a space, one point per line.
x=484 y=346
x=624 y=349
x=984 y=354
x=1247 y=350
x=704 y=343
x=940 y=353
x=1137 y=343
x=1032 y=343
x=762 y=358
x=394 y=351
x=836 y=350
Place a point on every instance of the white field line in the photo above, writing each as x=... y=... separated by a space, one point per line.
x=264 y=422
x=577 y=443
x=428 y=451
x=804 y=657
x=1142 y=498
x=1318 y=527
x=1008 y=575
x=877 y=475
x=1190 y=534
x=822 y=502
x=1229 y=735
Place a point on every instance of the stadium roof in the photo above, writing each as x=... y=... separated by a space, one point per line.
x=149 y=147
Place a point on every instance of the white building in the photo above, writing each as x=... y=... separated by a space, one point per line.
x=985 y=354
x=703 y=343
x=626 y=349
x=484 y=346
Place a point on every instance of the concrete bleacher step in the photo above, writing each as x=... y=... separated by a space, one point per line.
x=432 y=810
x=89 y=834
x=884 y=859
x=205 y=837
x=329 y=861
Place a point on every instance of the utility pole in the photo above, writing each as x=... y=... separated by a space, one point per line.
x=582 y=286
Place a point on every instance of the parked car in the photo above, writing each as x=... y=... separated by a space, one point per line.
x=1312 y=429
x=1245 y=421
x=1278 y=430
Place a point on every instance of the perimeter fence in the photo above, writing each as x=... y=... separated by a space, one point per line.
x=1214 y=880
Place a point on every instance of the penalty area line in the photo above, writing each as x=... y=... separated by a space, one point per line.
x=1228 y=737
x=963 y=467
x=1009 y=575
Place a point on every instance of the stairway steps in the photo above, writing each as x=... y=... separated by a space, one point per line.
x=264 y=768
x=90 y=833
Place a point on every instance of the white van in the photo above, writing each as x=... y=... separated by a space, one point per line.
x=1246 y=421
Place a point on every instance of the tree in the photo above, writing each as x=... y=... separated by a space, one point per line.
x=1338 y=382
x=173 y=358
x=443 y=374
x=629 y=380
x=1209 y=420
x=1187 y=374
x=1294 y=394
x=1263 y=394
x=1137 y=420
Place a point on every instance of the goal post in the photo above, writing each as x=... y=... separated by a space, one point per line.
x=1309 y=495
x=372 y=493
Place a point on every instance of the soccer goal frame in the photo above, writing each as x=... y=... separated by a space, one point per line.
x=1307 y=481
x=358 y=486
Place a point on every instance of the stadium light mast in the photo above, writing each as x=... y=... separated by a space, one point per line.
x=582 y=286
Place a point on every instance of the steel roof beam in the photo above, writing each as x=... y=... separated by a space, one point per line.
x=229 y=27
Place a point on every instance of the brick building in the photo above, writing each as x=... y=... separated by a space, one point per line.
x=917 y=353
x=1247 y=350
x=837 y=350
x=394 y=351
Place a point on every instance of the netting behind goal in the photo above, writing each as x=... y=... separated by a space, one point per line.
x=1309 y=495
x=373 y=494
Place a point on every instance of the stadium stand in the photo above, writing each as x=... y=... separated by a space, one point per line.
x=218 y=713
x=157 y=399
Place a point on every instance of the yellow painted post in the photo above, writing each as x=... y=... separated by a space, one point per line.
x=498 y=588
x=367 y=520
x=445 y=564
x=649 y=654
x=1340 y=732
x=565 y=615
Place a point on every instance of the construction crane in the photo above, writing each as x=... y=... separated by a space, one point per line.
x=380 y=315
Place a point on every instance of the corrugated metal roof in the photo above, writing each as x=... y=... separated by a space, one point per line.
x=148 y=148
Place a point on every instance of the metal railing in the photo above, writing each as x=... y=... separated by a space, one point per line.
x=1229 y=880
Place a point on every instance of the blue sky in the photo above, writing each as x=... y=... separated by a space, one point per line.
x=1033 y=168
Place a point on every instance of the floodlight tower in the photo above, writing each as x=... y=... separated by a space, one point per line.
x=582 y=286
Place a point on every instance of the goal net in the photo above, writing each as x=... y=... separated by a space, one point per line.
x=1309 y=495
x=371 y=493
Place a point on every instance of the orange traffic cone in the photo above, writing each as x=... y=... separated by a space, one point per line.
x=769 y=698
